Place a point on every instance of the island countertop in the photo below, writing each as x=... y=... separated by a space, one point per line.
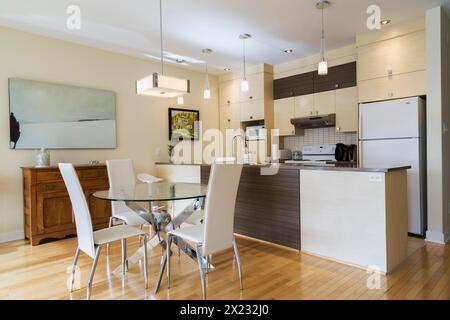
x=334 y=167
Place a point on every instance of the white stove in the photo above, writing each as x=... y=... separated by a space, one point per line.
x=316 y=155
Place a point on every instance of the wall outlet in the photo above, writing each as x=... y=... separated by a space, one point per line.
x=375 y=178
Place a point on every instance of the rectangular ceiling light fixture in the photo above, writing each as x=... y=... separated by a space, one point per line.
x=162 y=86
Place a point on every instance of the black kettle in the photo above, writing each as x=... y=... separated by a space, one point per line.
x=341 y=153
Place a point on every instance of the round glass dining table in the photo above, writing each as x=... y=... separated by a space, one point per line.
x=161 y=191
x=151 y=193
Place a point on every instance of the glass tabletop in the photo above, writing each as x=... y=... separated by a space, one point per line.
x=161 y=191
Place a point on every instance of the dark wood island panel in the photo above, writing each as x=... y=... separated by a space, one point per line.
x=267 y=207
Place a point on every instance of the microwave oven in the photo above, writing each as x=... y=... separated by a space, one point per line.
x=253 y=133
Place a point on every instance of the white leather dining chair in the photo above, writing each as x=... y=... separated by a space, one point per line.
x=90 y=242
x=121 y=174
x=216 y=233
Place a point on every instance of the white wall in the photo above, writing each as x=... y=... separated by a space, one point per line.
x=438 y=122
x=142 y=122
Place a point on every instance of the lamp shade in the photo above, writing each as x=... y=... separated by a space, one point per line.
x=158 y=85
x=323 y=68
x=244 y=85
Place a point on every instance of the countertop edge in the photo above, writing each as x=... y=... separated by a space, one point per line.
x=301 y=167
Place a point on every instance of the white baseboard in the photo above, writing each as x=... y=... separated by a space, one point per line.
x=11 y=236
x=436 y=237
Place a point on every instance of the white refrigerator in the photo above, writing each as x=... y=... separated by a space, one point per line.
x=392 y=133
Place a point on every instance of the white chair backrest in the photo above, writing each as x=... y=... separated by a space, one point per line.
x=120 y=174
x=219 y=207
x=80 y=208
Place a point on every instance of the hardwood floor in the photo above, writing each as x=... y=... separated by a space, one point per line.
x=270 y=272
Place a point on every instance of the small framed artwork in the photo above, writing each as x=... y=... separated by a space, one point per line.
x=182 y=124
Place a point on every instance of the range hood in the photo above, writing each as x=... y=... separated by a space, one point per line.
x=315 y=122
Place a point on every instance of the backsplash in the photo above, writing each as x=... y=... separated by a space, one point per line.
x=319 y=136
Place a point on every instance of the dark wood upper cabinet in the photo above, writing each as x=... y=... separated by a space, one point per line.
x=339 y=77
x=298 y=85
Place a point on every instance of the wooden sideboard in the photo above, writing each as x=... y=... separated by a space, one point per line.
x=47 y=208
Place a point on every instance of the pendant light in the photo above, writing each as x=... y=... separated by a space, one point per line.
x=323 y=64
x=207 y=90
x=160 y=85
x=244 y=82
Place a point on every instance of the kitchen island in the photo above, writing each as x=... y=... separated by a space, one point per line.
x=346 y=213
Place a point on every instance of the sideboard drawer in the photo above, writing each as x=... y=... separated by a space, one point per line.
x=51 y=187
x=91 y=174
x=45 y=176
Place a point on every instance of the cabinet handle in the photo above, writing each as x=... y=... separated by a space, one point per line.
x=391 y=94
x=338 y=129
x=228 y=101
x=229 y=120
x=251 y=97
x=336 y=85
x=251 y=118
x=58 y=176
x=311 y=113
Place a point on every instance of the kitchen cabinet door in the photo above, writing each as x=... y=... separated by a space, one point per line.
x=396 y=87
x=347 y=110
x=324 y=103
x=284 y=111
x=397 y=56
x=304 y=106
x=229 y=92
x=256 y=88
x=229 y=113
x=252 y=110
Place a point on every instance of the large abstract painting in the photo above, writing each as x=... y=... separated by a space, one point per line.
x=182 y=124
x=57 y=116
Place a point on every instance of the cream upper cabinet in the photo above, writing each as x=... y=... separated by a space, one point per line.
x=324 y=103
x=304 y=106
x=229 y=116
x=395 y=56
x=284 y=112
x=398 y=86
x=252 y=110
x=347 y=110
x=256 y=88
x=229 y=92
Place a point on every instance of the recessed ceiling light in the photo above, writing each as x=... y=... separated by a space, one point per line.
x=227 y=69
x=385 y=22
x=288 y=51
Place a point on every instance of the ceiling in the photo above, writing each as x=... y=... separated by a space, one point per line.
x=132 y=26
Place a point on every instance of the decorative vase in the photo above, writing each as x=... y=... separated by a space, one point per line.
x=42 y=158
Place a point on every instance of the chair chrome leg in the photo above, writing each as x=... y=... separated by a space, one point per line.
x=238 y=260
x=111 y=222
x=74 y=264
x=145 y=262
x=169 y=243
x=200 y=268
x=91 y=276
x=124 y=256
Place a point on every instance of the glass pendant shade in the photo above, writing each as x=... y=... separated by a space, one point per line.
x=207 y=91
x=207 y=94
x=244 y=85
x=323 y=67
